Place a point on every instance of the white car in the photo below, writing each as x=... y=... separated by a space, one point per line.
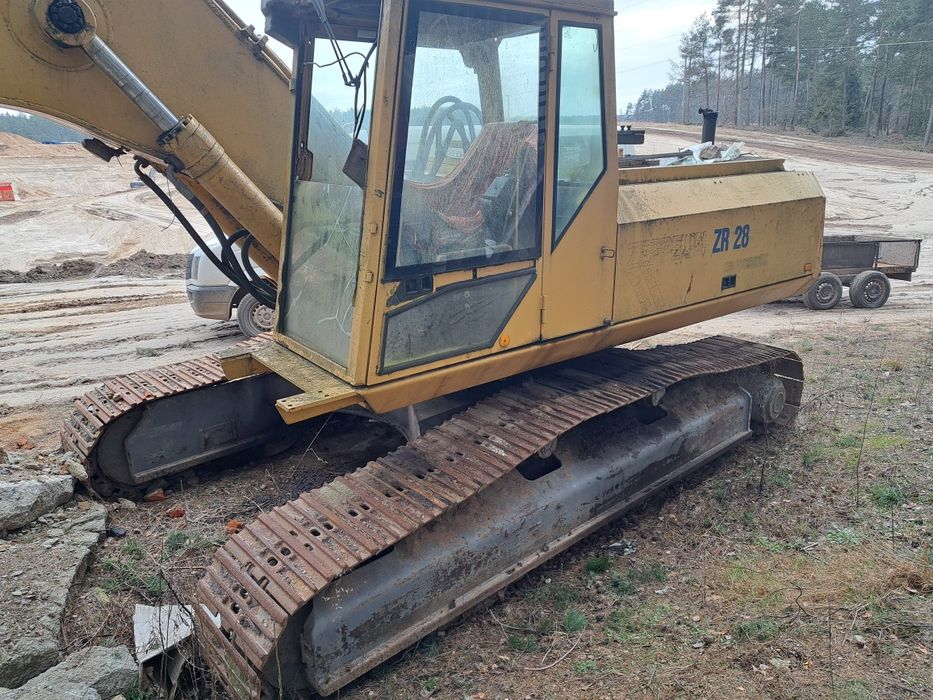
x=213 y=296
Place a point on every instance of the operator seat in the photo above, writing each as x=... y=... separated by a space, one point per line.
x=447 y=217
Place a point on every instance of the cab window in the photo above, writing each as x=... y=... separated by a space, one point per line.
x=468 y=183
x=581 y=124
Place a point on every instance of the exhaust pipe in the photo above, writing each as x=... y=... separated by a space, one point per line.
x=709 y=125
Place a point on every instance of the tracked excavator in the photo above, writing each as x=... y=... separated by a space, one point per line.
x=454 y=251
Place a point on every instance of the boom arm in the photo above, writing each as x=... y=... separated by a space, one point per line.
x=196 y=59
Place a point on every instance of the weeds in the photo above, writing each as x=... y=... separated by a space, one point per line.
x=128 y=575
x=179 y=541
x=623 y=585
x=758 y=630
x=574 y=621
x=627 y=583
x=854 y=690
x=522 y=643
x=599 y=565
x=885 y=496
x=564 y=596
x=582 y=668
x=720 y=491
x=845 y=535
x=770 y=545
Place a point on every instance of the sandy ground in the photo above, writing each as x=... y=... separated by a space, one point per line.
x=72 y=205
x=59 y=338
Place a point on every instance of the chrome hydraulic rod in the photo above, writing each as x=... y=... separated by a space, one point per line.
x=134 y=88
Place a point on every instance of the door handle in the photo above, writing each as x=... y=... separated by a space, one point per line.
x=607 y=253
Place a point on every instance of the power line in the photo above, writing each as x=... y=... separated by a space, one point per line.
x=629 y=69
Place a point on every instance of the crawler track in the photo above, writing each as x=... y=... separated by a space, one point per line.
x=99 y=410
x=259 y=588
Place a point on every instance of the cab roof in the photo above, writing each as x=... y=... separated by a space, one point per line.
x=282 y=15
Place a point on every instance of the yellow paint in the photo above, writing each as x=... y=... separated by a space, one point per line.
x=196 y=56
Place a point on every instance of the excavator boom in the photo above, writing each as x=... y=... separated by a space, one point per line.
x=124 y=70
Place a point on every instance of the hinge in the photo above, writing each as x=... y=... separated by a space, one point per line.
x=543 y=310
x=368 y=277
x=607 y=253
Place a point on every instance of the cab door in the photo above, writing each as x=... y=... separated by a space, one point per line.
x=582 y=183
x=461 y=273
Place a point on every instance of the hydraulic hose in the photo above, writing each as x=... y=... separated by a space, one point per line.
x=228 y=264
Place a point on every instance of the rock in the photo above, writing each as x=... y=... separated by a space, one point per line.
x=156 y=496
x=176 y=512
x=89 y=674
x=233 y=527
x=26 y=657
x=32 y=622
x=125 y=504
x=116 y=532
x=66 y=691
x=21 y=502
x=77 y=470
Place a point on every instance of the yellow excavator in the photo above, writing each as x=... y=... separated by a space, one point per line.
x=453 y=250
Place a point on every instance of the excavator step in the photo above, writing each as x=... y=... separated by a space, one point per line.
x=320 y=590
x=322 y=392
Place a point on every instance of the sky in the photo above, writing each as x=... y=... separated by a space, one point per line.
x=647 y=35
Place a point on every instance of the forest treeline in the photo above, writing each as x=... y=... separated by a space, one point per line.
x=37 y=128
x=832 y=66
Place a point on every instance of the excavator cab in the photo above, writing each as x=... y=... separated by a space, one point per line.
x=456 y=215
x=436 y=172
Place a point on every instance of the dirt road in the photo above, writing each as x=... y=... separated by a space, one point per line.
x=59 y=338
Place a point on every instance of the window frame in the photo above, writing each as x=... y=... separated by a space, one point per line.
x=530 y=273
x=393 y=271
x=558 y=235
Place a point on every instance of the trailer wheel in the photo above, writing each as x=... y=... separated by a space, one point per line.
x=870 y=290
x=825 y=293
x=254 y=318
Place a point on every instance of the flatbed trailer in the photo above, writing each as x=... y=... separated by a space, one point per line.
x=864 y=264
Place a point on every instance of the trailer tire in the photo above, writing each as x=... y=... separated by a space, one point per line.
x=870 y=290
x=825 y=293
x=252 y=317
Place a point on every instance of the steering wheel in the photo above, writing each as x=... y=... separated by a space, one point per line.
x=460 y=118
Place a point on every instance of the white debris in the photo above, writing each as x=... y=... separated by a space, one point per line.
x=159 y=634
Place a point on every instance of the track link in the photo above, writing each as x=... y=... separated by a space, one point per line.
x=257 y=591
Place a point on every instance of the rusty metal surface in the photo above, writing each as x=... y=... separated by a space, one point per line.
x=254 y=592
x=101 y=407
